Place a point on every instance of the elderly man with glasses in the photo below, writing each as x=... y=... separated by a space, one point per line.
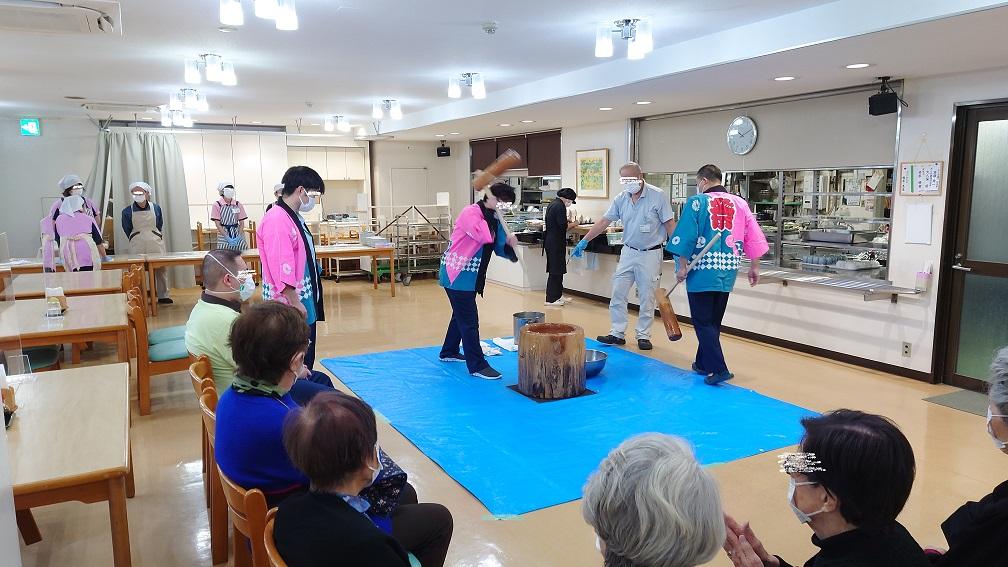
x=647 y=220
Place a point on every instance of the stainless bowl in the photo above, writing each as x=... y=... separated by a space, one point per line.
x=594 y=362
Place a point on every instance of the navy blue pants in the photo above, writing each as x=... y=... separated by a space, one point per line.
x=309 y=357
x=305 y=389
x=707 y=309
x=464 y=328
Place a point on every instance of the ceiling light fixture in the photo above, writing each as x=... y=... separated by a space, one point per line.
x=192 y=73
x=605 y=108
x=527 y=121
x=188 y=99
x=282 y=11
x=146 y=118
x=439 y=135
x=166 y=117
x=257 y=121
x=361 y=132
x=454 y=134
x=643 y=102
x=784 y=78
x=329 y=126
x=228 y=76
x=637 y=32
x=341 y=123
x=217 y=70
x=858 y=65
x=231 y=13
x=505 y=124
x=226 y=29
x=389 y=105
x=472 y=80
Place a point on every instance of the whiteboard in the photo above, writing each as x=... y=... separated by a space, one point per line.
x=921 y=177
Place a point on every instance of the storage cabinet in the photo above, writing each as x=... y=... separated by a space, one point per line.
x=355 y=163
x=335 y=164
x=332 y=163
x=544 y=153
x=540 y=152
x=316 y=159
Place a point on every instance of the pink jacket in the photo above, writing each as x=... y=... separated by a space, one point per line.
x=470 y=235
x=281 y=253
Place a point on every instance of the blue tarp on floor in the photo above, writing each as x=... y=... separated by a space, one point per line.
x=516 y=455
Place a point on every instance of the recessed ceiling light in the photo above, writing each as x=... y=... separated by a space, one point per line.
x=784 y=78
x=527 y=121
x=74 y=97
x=643 y=102
x=605 y=108
x=146 y=118
x=227 y=29
x=858 y=65
x=505 y=124
x=315 y=124
x=439 y=135
x=256 y=122
x=454 y=134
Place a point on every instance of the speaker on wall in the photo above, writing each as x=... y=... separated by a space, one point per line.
x=443 y=150
x=886 y=101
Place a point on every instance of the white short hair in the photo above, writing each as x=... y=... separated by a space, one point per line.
x=653 y=505
x=998 y=392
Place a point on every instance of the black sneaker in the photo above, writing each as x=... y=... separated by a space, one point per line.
x=697 y=369
x=610 y=340
x=715 y=379
x=487 y=373
x=452 y=358
x=165 y=301
x=644 y=344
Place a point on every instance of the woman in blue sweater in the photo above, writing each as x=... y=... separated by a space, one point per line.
x=268 y=343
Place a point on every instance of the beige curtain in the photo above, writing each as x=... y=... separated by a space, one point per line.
x=155 y=158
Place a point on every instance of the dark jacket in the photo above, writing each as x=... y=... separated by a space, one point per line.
x=555 y=238
x=891 y=547
x=317 y=529
x=977 y=532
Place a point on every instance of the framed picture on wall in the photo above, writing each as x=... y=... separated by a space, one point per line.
x=593 y=174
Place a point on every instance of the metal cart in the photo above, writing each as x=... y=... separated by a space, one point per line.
x=420 y=235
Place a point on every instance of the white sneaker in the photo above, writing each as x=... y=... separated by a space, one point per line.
x=558 y=303
x=567 y=299
x=487 y=373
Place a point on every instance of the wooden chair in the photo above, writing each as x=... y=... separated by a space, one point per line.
x=200 y=372
x=271 y=551
x=218 y=502
x=153 y=359
x=247 y=510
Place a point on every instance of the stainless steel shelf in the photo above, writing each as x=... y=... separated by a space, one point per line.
x=849 y=220
x=834 y=245
x=871 y=290
x=839 y=194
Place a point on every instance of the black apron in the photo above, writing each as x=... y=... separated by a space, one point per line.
x=555 y=238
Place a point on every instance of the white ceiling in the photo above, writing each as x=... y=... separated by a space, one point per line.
x=349 y=53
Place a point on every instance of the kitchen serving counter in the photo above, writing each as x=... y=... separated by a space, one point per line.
x=528 y=274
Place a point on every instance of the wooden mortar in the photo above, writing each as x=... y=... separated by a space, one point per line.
x=551 y=359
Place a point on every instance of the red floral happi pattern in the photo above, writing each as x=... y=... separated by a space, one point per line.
x=722 y=213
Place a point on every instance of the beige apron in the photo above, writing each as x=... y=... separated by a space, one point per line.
x=68 y=251
x=146 y=239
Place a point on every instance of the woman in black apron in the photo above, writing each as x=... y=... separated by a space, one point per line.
x=555 y=246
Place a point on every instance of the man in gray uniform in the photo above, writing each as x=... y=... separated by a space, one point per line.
x=647 y=220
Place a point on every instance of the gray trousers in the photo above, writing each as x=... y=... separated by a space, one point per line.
x=644 y=270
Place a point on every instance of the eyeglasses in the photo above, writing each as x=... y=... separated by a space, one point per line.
x=629 y=179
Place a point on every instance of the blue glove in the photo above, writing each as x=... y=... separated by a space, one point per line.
x=107 y=259
x=578 y=250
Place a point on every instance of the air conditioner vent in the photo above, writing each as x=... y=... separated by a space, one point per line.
x=102 y=17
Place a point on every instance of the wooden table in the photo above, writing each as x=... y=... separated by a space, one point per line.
x=349 y=251
x=31 y=286
x=100 y=318
x=155 y=261
x=69 y=442
x=34 y=265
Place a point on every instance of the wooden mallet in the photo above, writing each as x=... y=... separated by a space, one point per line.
x=668 y=315
x=504 y=162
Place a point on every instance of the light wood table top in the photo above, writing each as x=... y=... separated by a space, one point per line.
x=34 y=265
x=30 y=286
x=71 y=425
x=85 y=314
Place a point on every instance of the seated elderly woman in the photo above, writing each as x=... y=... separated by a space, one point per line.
x=977 y=531
x=268 y=344
x=334 y=442
x=849 y=482
x=652 y=505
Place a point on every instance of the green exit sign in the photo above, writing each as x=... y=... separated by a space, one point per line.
x=31 y=127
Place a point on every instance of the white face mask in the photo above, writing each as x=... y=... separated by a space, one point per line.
x=376 y=471
x=228 y=193
x=632 y=185
x=598 y=544
x=77 y=191
x=140 y=199
x=803 y=517
x=307 y=206
x=246 y=285
x=1002 y=445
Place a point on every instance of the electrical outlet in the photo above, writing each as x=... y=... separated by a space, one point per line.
x=906 y=349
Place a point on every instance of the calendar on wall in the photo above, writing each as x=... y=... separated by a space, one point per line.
x=921 y=177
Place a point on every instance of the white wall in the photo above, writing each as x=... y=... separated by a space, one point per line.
x=449 y=174
x=32 y=166
x=611 y=135
x=835 y=320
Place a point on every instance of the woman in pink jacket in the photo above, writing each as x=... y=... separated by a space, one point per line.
x=478 y=234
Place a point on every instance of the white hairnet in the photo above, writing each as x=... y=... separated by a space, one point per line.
x=142 y=185
x=71 y=204
x=223 y=184
x=68 y=181
x=278 y=188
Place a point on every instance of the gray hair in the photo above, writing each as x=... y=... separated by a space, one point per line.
x=653 y=505
x=998 y=393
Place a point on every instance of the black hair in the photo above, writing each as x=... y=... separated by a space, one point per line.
x=212 y=271
x=869 y=464
x=301 y=176
x=331 y=438
x=502 y=191
x=710 y=172
x=265 y=338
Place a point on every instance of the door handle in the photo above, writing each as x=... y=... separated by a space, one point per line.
x=961 y=268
